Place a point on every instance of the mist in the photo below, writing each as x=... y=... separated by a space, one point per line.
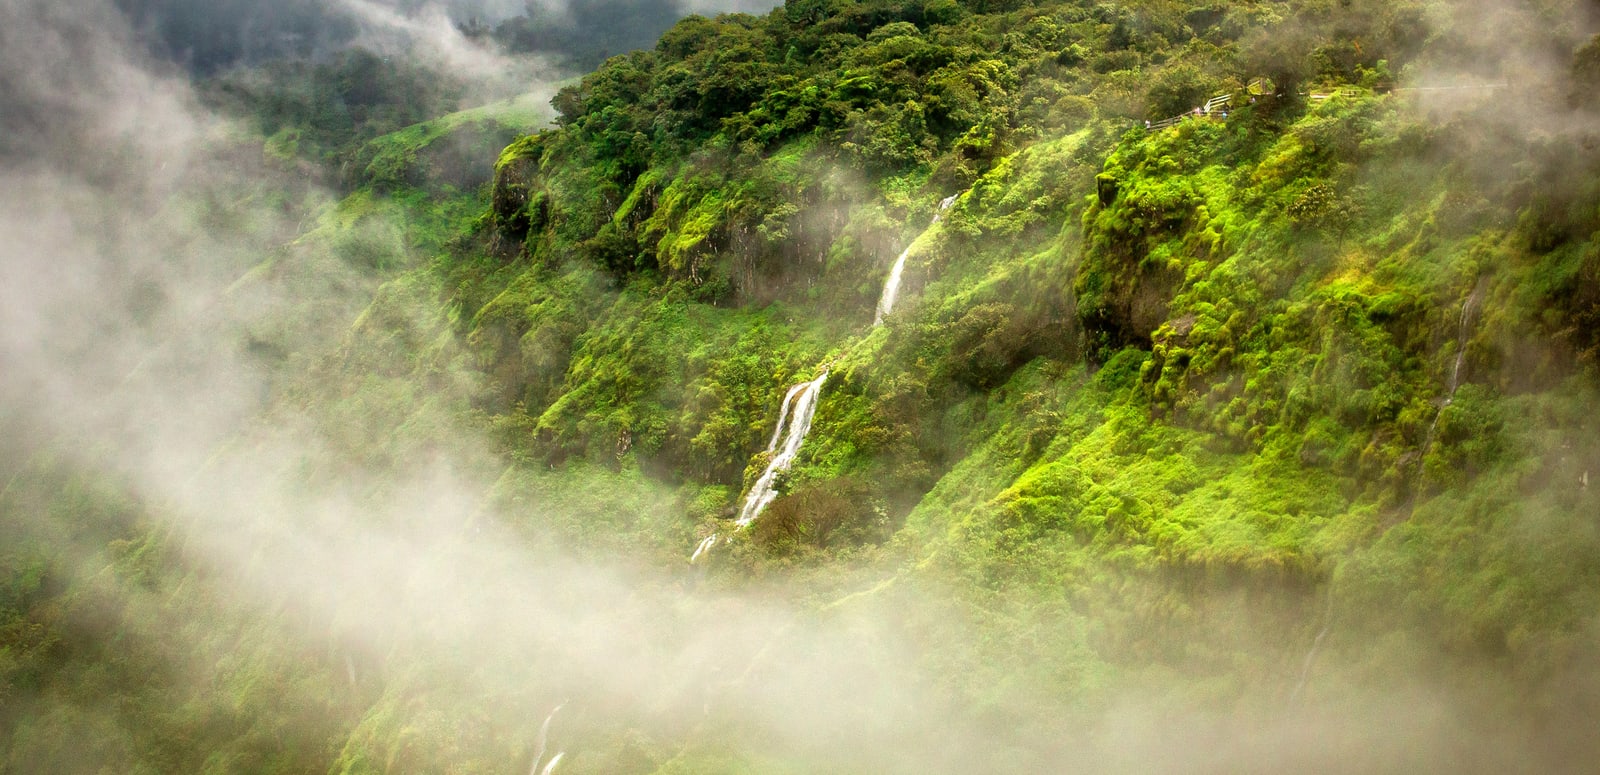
x=126 y=324
x=140 y=274
x=211 y=36
x=125 y=331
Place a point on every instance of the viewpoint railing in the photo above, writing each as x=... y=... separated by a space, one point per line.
x=1328 y=95
x=1217 y=107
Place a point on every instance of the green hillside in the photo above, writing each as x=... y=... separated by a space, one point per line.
x=1259 y=441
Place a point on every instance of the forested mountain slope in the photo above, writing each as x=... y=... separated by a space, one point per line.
x=1262 y=441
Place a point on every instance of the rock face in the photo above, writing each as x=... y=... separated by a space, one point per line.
x=1106 y=188
x=1141 y=234
x=1126 y=308
x=514 y=206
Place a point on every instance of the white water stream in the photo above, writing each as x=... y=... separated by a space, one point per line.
x=544 y=737
x=803 y=397
x=891 y=288
x=554 y=760
x=1463 y=328
x=1311 y=656
x=800 y=407
x=1451 y=386
x=705 y=546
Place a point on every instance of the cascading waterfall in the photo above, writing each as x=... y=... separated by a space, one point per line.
x=804 y=399
x=1461 y=348
x=800 y=407
x=783 y=415
x=705 y=546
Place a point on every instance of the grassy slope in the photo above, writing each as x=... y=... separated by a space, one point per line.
x=1272 y=431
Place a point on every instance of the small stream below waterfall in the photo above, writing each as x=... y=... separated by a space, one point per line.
x=799 y=408
x=554 y=760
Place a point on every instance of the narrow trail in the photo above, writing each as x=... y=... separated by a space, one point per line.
x=799 y=408
x=1215 y=107
x=1218 y=106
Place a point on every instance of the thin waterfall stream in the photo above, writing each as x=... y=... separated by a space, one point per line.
x=1452 y=384
x=799 y=408
x=891 y=287
x=544 y=737
x=804 y=397
x=1311 y=656
x=554 y=760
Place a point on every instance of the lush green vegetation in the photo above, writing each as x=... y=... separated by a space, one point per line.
x=1158 y=412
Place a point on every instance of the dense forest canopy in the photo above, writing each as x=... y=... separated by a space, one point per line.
x=369 y=386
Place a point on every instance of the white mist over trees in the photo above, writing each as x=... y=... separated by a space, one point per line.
x=210 y=36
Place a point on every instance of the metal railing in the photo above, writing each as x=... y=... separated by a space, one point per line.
x=1216 y=107
x=1213 y=108
x=1320 y=96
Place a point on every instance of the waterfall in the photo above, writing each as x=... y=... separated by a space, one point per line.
x=705 y=546
x=783 y=415
x=1461 y=343
x=891 y=288
x=1311 y=656
x=1451 y=386
x=554 y=760
x=544 y=737
x=1463 y=327
x=803 y=397
x=800 y=406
